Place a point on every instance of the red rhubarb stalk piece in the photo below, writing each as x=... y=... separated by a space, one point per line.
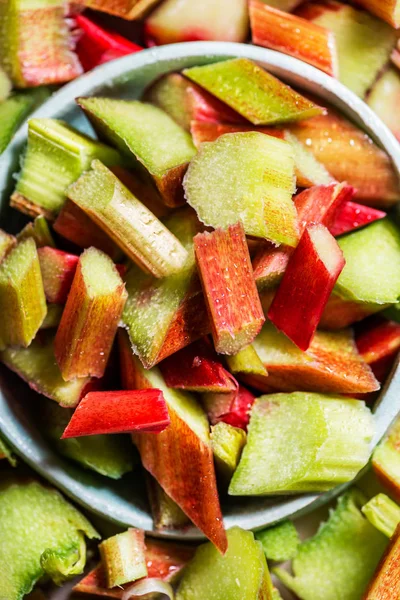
x=119 y=412
x=58 y=270
x=351 y=215
x=385 y=584
x=278 y=30
x=378 y=342
x=230 y=291
x=340 y=313
x=233 y=408
x=196 y=368
x=205 y=107
x=97 y=45
x=308 y=281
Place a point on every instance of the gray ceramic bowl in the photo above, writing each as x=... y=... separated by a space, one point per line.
x=124 y=502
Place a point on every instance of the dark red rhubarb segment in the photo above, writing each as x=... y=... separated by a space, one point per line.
x=196 y=368
x=378 y=344
x=308 y=281
x=97 y=45
x=351 y=215
x=233 y=408
x=230 y=291
x=58 y=270
x=119 y=412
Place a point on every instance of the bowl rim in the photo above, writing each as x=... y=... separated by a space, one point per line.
x=293 y=71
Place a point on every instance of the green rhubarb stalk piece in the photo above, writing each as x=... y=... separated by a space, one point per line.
x=281 y=542
x=154 y=305
x=240 y=574
x=148 y=136
x=41 y=534
x=5 y=85
x=382 y=513
x=372 y=270
x=38 y=367
x=359 y=61
x=165 y=512
x=309 y=171
x=170 y=93
x=6 y=453
x=123 y=557
x=53 y=316
x=302 y=442
x=384 y=99
x=7 y=243
x=22 y=299
x=39 y=230
x=227 y=443
x=253 y=92
x=246 y=361
x=132 y=226
x=109 y=455
x=90 y=319
x=386 y=460
x=55 y=157
x=261 y=198
x=340 y=559
x=12 y=112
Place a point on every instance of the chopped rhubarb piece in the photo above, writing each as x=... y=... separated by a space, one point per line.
x=340 y=313
x=209 y=130
x=148 y=137
x=252 y=92
x=350 y=216
x=97 y=45
x=359 y=62
x=22 y=299
x=293 y=35
x=385 y=584
x=227 y=443
x=261 y=199
x=179 y=458
x=90 y=319
x=384 y=99
x=230 y=291
x=379 y=341
x=307 y=283
x=7 y=243
x=12 y=112
x=58 y=270
x=127 y=9
x=5 y=85
x=123 y=557
x=36 y=42
x=118 y=412
x=165 y=512
x=56 y=155
x=382 y=513
x=330 y=365
x=75 y=225
x=127 y=221
x=39 y=230
x=302 y=442
x=6 y=453
x=350 y=155
x=142 y=190
x=233 y=408
x=246 y=361
x=280 y=542
x=197 y=369
x=386 y=461
x=286 y=5
x=182 y=21
x=388 y=11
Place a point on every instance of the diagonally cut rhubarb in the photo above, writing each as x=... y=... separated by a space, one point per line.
x=58 y=270
x=385 y=583
x=307 y=283
x=389 y=10
x=229 y=288
x=90 y=319
x=351 y=215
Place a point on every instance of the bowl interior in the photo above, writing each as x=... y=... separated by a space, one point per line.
x=125 y=501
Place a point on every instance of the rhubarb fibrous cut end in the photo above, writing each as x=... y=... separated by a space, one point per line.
x=384 y=97
x=230 y=291
x=307 y=283
x=58 y=270
x=280 y=542
x=382 y=513
x=227 y=443
x=123 y=557
x=253 y=92
x=90 y=319
x=246 y=361
x=372 y=271
x=233 y=408
x=351 y=215
x=260 y=199
x=165 y=512
x=127 y=221
x=386 y=461
x=386 y=579
x=39 y=230
x=293 y=35
x=148 y=136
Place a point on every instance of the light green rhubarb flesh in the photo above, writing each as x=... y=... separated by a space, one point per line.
x=5 y=85
x=240 y=574
x=6 y=452
x=12 y=112
x=55 y=157
x=41 y=534
x=53 y=316
x=308 y=169
x=252 y=92
x=302 y=442
x=372 y=270
x=39 y=230
x=250 y=178
x=7 y=242
x=135 y=229
x=246 y=361
x=109 y=455
x=170 y=94
x=166 y=513
x=382 y=513
x=227 y=443
x=340 y=559
x=22 y=299
x=386 y=456
x=281 y=542
x=123 y=557
x=152 y=303
x=38 y=367
x=384 y=99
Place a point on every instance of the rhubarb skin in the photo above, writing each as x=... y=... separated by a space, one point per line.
x=118 y=412
x=387 y=10
x=39 y=230
x=90 y=319
x=233 y=409
x=177 y=21
x=126 y=9
x=165 y=512
x=351 y=215
x=293 y=35
x=179 y=458
x=123 y=557
x=196 y=368
x=340 y=313
x=386 y=461
x=230 y=291
x=307 y=283
x=330 y=365
x=22 y=299
x=384 y=98
x=385 y=584
x=58 y=270
x=378 y=341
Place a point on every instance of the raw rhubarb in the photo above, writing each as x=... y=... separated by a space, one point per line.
x=384 y=99
x=382 y=513
x=165 y=512
x=350 y=216
x=126 y=9
x=233 y=408
x=227 y=443
x=39 y=230
x=280 y=542
x=386 y=460
x=379 y=341
x=123 y=557
x=246 y=361
x=7 y=243
x=385 y=583
x=340 y=313
x=58 y=270
x=388 y=10
x=12 y=113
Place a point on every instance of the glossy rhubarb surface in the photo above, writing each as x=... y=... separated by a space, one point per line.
x=123 y=557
